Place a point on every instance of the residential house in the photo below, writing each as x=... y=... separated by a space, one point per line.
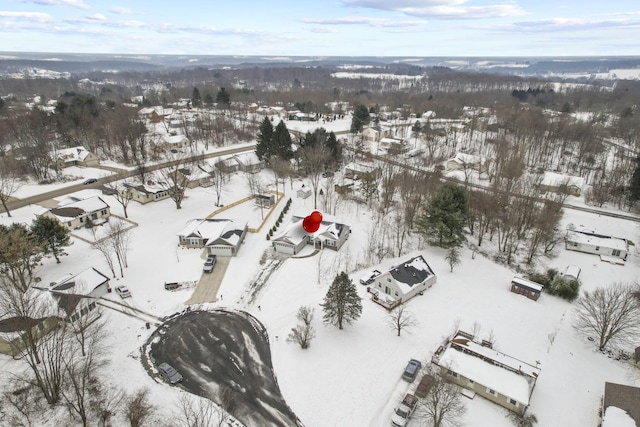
x=81 y=213
x=145 y=193
x=371 y=134
x=249 y=162
x=218 y=236
x=196 y=177
x=175 y=143
x=294 y=238
x=76 y=295
x=563 y=184
x=464 y=161
x=228 y=165
x=402 y=282
x=14 y=330
x=496 y=376
x=303 y=192
x=617 y=400
x=610 y=249
x=75 y=156
x=358 y=170
x=529 y=289
x=265 y=200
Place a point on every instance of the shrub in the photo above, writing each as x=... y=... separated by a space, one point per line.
x=555 y=284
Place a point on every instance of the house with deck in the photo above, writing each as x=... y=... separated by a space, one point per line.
x=77 y=213
x=221 y=237
x=402 y=282
x=477 y=367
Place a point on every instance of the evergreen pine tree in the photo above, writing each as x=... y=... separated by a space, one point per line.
x=51 y=234
x=281 y=142
x=445 y=216
x=264 y=139
x=223 y=98
x=196 y=100
x=342 y=302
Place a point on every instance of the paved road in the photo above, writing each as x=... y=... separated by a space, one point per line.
x=225 y=349
x=19 y=203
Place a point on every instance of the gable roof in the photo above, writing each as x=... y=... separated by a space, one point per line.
x=215 y=231
x=624 y=397
x=294 y=233
x=78 y=153
x=79 y=207
x=82 y=283
x=410 y=273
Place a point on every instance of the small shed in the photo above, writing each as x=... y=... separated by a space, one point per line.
x=572 y=272
x=529 y=289
x=304 y=192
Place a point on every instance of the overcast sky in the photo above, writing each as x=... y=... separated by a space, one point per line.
x=324 y=27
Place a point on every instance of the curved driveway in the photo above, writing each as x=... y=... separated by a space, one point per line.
x=225 y=349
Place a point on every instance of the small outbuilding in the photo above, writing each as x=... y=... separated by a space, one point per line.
x=529 y=289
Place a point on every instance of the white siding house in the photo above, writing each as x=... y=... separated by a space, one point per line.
x=498 y=377
x=81 y=213
x=402 y=282
x=598 y=244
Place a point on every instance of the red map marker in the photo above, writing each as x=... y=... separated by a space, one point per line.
x=311 y=223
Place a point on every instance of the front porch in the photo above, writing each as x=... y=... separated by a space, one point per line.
x=386 y=301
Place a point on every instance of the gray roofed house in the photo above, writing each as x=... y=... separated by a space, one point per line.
x=79 y=213
x=294 y=238
x=402 y=282
x=219 y=236
x=624 y=397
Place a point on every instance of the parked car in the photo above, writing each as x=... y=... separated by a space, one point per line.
x=123 y=291
x=368 y=278
x=403 y=412
x=172 y=286
x=89 y=181
x=169 y=373
x=209 y=264
x=411 y=370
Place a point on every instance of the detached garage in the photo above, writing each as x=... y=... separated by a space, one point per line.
x=529 y=289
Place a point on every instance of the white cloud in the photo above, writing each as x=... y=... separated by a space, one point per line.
x=373 y=22
x=27 y=16
x=560 y=24
x=444 y=9
x=122 y=10
x=97 y=17
x=73 y=3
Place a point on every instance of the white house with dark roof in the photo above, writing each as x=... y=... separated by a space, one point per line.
x=294 y=238
x=75 y=156
x=219 y=236
x=79 y=213
x=496 y=376
x=402 y=282
x=608 y=247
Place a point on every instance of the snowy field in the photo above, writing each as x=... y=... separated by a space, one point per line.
x=352 y=377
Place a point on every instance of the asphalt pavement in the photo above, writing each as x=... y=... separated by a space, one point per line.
x=220 y=349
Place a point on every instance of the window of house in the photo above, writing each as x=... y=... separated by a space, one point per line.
x=471 y=382
x=597 y=248
x=92 y=306
x=83 y=312
x=491 y=392
x=396 y=293
x=389 y=279
x=615 y=252
x=575 y=243
x=453 y=374
x=74 y=317
x=387 y=290
x=94 y=216
x=513 y=402
x=81 y=219
x=379 y=284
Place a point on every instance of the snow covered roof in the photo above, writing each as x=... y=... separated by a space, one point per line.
x=527 y=283
x=468 y=159
x=410 y=273
x=82 y=283
x=249 y=158
x=294 y=233
x=79 y=207
x=616 y=417
x=72 y=154
x=215 y=231
x=624 y=397
x=596 y=240
x=553 y=179
x=502 y=373
x=175 y=139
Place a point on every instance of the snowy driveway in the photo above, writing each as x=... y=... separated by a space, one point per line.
x=224 y=349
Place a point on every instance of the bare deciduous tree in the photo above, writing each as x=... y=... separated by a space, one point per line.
x=22 y=404
x=122 y=193
x=218 y=180
x=526 y=420
x=303 y=332
x=400 y=318
x=138 y=407
x=453 y=258
x=442 y=407
x=610 y=313
x=175 y=180
x=9 y=184
x=106 y=402
x=200 y=412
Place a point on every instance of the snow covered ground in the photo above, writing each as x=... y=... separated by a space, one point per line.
x=353 y=376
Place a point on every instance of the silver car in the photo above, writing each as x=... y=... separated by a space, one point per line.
x=169 y=373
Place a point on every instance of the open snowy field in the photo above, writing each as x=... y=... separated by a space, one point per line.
x=353 y=376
